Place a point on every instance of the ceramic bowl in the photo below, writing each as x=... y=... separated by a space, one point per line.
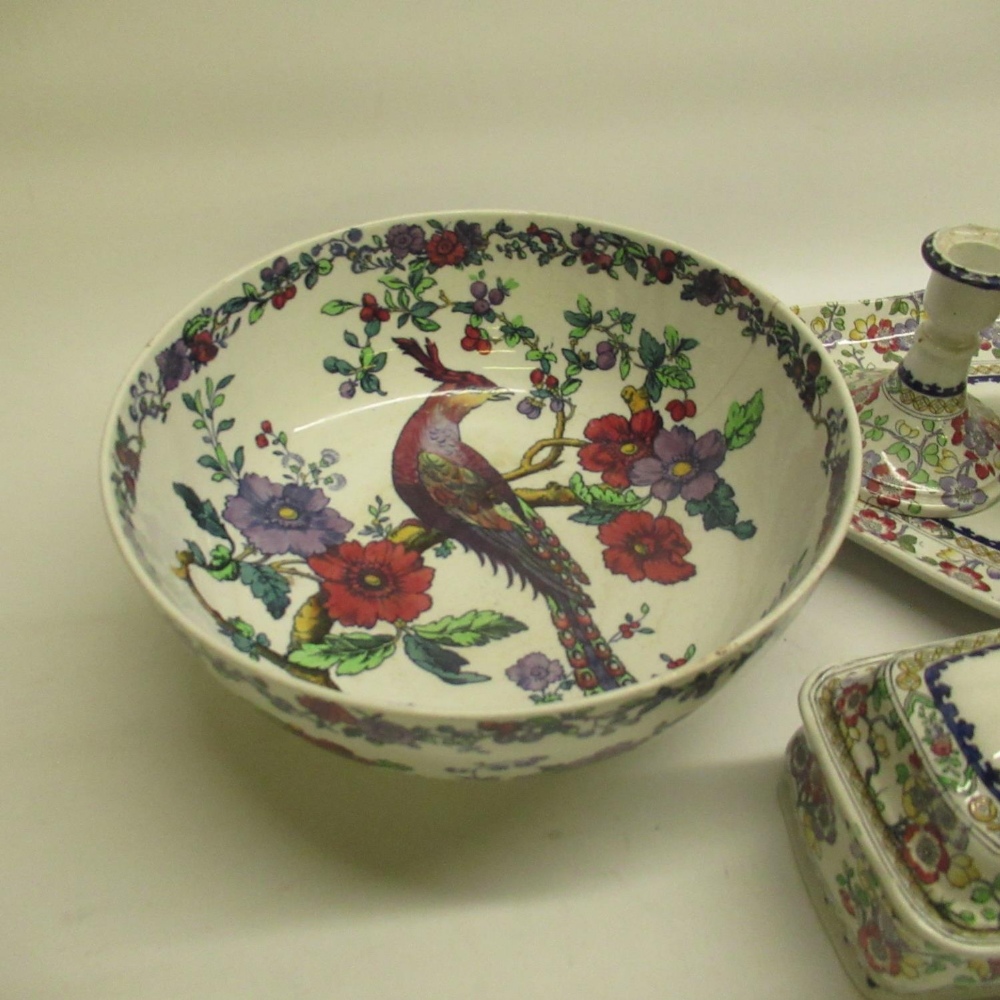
x=894 y=810
x=481 y=495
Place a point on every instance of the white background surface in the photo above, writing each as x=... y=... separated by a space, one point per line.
x=159 y=839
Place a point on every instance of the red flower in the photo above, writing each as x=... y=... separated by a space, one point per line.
x=380 y=581
x=475 y=339
x=618 y=444
x=925 y=853
x=888 y=494
x=852 y=703
x=964 y=574
x=642 y=547
x=202 y=348
x=881 y=955
x=444 y=248
x=872 y=522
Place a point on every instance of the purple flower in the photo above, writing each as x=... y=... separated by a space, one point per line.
x=708 y=287
x=404 y=239
x=681 y=464
x=279 y=518
x=174 y=364
x=962 y=493
x=977 y=437
x=535 y=672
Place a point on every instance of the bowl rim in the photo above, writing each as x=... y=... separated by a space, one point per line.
x=749 y=640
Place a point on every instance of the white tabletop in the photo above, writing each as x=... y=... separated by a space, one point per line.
x=159 y=839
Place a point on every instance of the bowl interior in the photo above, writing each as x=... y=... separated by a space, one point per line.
x=651 y=453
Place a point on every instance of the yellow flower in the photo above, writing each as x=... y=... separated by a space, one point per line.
x=906 y=430
x=962 y=871
x=861 y=327
x=818 y=325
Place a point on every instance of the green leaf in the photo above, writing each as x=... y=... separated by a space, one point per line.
x=718 y=509
x=255 y=313
x=268 y=586
x=337 y=366
x=203 y=511
x=346 y=653
x=443 y=663
x=676 y=377
x=369 y=382
x=594 y=516
x=579 y=320
x=222 y=565
x=424 y=309
x=624 y=367
x=743 y=420
x=604 y=498
x=351 y=339
x=196 y=552
x=337 y=306
x=570 y=386
x=427 y=325
x=651 y=351
x=583 y=304
x=474 y=628
x=390 y=281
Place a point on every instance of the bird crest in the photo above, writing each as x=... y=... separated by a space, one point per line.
x=430 y=364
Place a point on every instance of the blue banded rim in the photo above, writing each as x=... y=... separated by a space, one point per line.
x=937 y=253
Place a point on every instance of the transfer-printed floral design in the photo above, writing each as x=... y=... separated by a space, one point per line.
x=270 y=521
x=960 y=554
x=881 y=949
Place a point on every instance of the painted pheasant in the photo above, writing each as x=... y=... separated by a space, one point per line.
x=454 y=490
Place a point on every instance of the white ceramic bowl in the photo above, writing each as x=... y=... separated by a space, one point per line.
x=482 y=494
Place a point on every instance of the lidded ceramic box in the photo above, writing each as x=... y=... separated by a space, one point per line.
x=893 y=802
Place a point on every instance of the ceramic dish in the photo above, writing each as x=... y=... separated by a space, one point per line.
x=893 y=807
x=478 y=495
x=961 y=554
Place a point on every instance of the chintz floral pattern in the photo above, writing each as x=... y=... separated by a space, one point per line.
x=349 y=581
x=934 y=927
x=961 y=554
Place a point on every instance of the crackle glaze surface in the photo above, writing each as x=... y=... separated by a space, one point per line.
x=894 y=835
x=434 y=488
x=960 y=553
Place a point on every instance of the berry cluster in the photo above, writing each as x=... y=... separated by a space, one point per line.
x=371 y=310
x=681 y=409
x=286 y=294
x=484 y=298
